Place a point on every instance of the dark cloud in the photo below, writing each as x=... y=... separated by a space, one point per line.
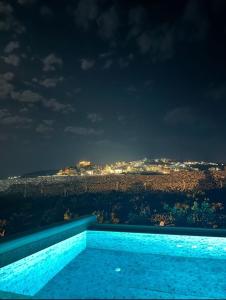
x=23 y=110
x=108 y=63
x=83 y=131
x=125 y=61
x=105 y=54
x=137 y=15
x=51 y=62
x=217 y=92
x=159 y=43
x=4 y=113
x=12 y=59
x=162 y=46
x=6 y=12
x=7 y=118
x=11 y=46
x=49 y=82
x=149 y=83
x=144 y=43
x=132 y=89
x=7 y=19
x=3 y=137
x=7 y=76
x=86 y=12
x=26 y=2
x=87 y=63
x=46 y=12
x=180 y=115
x=57 y=106
x=94 y=117
x=187 y=116
x=136 y=19
x=108 y=23
x=194 y=23
x=46 y=127
x=133 y=32
x=6 y=87
x=27 y=96
x=121 y=119
x=30 y=97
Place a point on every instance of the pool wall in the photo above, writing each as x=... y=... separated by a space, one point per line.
x=85 y=232
x=30 y=274
x=159 y=244
x=11 y=251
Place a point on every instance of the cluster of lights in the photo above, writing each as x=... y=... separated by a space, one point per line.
x=162 y=165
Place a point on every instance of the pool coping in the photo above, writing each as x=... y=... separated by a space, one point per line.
x=160 y=229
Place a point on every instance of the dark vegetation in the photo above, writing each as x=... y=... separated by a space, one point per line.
x=199 y=209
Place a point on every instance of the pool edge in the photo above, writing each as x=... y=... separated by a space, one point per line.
x=19 y=248
x=160 y=230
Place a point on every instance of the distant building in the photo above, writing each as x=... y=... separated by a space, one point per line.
x=84 y=164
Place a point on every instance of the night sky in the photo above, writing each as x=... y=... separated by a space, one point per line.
x=111 y=80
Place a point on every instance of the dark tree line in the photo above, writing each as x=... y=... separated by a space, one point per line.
x=199 y=209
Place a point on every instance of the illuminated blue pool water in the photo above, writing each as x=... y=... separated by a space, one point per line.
x=103 y=264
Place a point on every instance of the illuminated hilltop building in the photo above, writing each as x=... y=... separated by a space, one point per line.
x=84 y=164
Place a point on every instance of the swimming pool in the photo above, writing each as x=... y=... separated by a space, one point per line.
x=112 y=265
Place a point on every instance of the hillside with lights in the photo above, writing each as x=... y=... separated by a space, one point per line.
x=142 y=175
